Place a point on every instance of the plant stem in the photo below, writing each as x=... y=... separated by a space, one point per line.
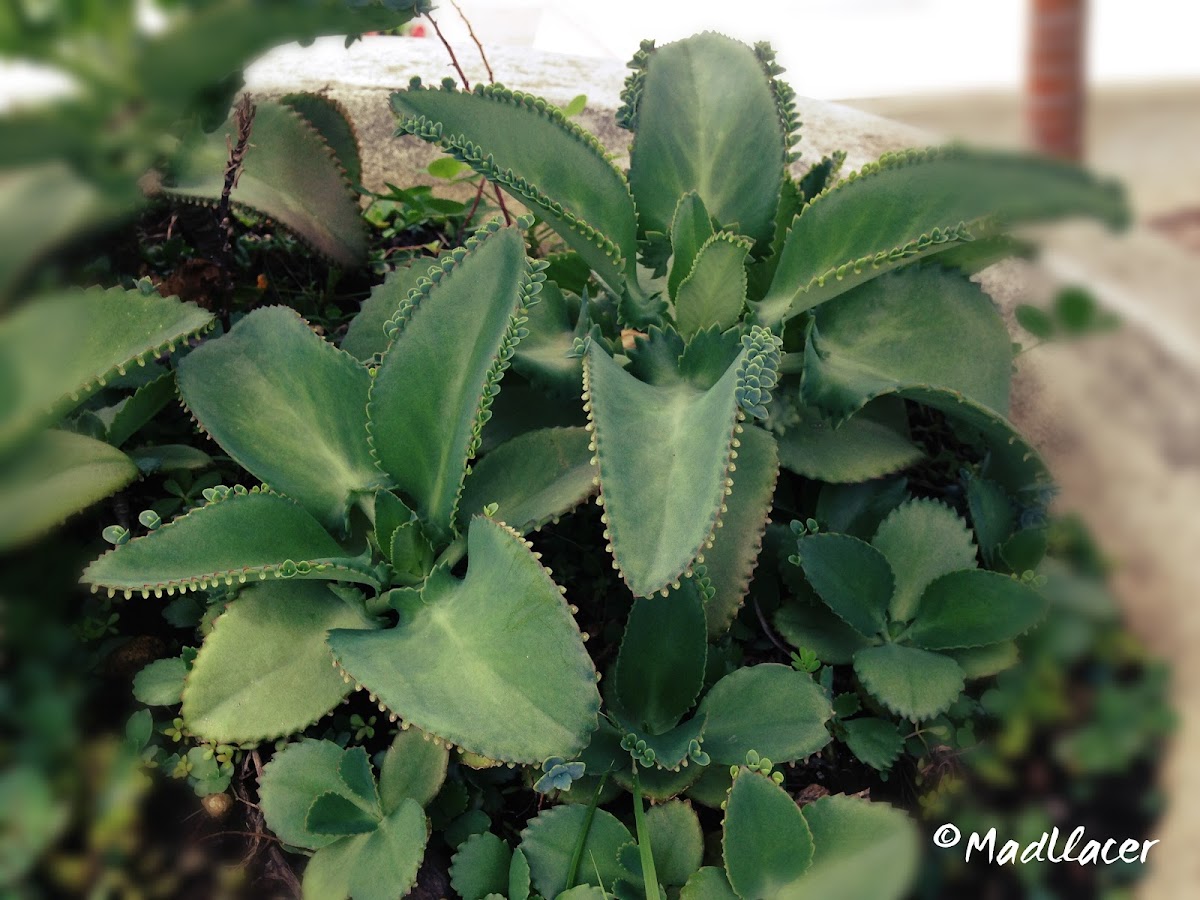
x=649 y=875
x=581 y=839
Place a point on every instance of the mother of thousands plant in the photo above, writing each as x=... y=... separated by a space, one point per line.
x=753 y=376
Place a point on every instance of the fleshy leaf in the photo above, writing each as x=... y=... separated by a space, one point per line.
x=913 y=204
x=767 y=842
x=414 y=768
x=922 y=540
x=705 y=106
x=852 y=577
x=691 y=227
x=877 y=742
x=547 y=162
x=332 y=122
x=124 y=419
x=868 y=851
x=334 y=814
x=676 y=841
x=288 y=173
x=433 y=391
x=305 y=437
x=659 y=445
x=379 y=865
x=708 y=883
x=532 y=479
x=264 y=670
x=549 y=840
x=57 y=350
x=872 y=443
x=244 y=536
x=161 y=682
x=291 y=781
x=815 y=627
x=480 y=867
x=658 y=681
x=974 y=607
x=714 y=293
x=913 y=683
x=731 y=560
x=546 y=355
x=493 y=663
x=769 y=708
x=986 y=661
x=919 y=328
x=54 y=476
x=366 y=336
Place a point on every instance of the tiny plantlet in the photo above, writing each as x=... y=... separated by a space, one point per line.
x=767 y=414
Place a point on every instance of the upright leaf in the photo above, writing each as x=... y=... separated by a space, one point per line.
x=691 y=227
x=714 y=293
x=922 y=540
x=493 y=663
x=366 y=336
x=414 y=768
x=433 y=391
x=547 y=162
x=766 y=840
x=703 y=108
x=914 y=204
x=306 y=437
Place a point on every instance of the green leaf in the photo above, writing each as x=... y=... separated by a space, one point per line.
x=877 y=742
x=914 y=204
x=815 y=627
x=691 y=228
x=858 y=509
x=768 y=708
x=291 y=781
x=551 y=165
x=161 y=682
x=333 y=814
x=872 y=443
x=545 y=356
x=918 y=328
x=354 y=769
x=663 y=459
x=54 y=476
x=705 y=110
x=264 y=670
x=983 y=662
x=714 y=293
x=480 y=867
x=576 y=106
x=259 y=535
x=974 y=607
x=433 y=391
x=922 y=540
x=289 y=173
x=366 y=336
x=519 y=882
x=731 y=560
x=169 y=458
x=658 y=681
x=708 y=883
x=390 y=513
x=379 y=865
x=767 y=843
x=127 y=417
x=852 y=577
x=868 y=851
x=414 y=768
x=676 y=841
x=1023 y=551
x=493 y=663
x=306 y=438
x=992 y=514
x=1036 y=321
x=549 y=839
x=912 y=683
x=331 y=121
x=59 y=349
x=533 y=478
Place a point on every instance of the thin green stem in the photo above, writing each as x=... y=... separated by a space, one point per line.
x=649 y=875
x=581 y=838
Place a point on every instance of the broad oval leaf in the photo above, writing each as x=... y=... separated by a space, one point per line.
x=705 y=109
x=769 y=708
x=875 y=741
x=379 y=865
x=306 y=437
x=291 y=781
x=676 y=841
x=815 y=627
x=708 y=883
x=288 y=173
x=548 y=163
x=922 y=540
x=264 y=670
x=767 y=842
x=972 y=608
x=413 y=768
x=549 y=840
x=433 y=391
x=480 y=867
x=914 y=204
x=493 y=663
x=852 y=577
x=913 y=683
x=714 y=292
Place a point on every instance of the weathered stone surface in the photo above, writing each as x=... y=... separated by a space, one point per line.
x=1117 y=417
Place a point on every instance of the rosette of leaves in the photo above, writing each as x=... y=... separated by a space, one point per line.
x=80 y=381
x=367 y=835
x=911 y=610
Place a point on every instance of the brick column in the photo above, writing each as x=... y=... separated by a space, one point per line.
x=1055 y=92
